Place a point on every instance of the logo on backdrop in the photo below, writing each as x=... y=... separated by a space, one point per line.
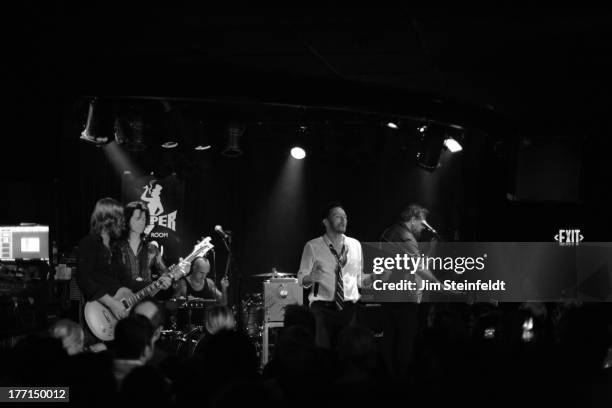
x=164 y=199
x=569 y=237
x=152 y=196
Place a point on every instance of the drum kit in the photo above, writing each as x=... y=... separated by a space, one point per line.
x=185 y=328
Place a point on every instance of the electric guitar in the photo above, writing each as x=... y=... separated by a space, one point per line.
x=102 y=321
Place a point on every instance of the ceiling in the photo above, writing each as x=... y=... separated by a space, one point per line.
x=544 y=69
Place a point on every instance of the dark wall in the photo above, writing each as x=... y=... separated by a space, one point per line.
x=51 y=177
x=273 y=208
x=272 y=203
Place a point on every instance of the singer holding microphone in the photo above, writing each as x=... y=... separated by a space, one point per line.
x=400 y=320
x=331 y=267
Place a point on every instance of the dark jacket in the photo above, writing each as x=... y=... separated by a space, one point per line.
x=399 y=235
x=142 y=264
x=99 y=273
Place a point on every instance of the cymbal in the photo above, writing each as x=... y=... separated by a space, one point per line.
x=272 y=275
x=199 y=299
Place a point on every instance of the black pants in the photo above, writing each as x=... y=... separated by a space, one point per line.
x=330 y=321
x=400 y=326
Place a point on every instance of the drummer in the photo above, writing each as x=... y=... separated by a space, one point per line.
x=197 y=285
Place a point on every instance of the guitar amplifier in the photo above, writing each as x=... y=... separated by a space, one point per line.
x=278 y=293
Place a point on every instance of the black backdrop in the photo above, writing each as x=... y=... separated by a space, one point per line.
x=51 y=177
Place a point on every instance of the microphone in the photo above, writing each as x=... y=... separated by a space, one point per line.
x=224 y=234
x=315 y=290
x=429 y=227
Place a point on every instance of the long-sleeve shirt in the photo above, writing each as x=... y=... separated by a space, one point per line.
x=98 y=274
x=401 y=235
x=317 y=250
x=141 y=263
x=404 y=242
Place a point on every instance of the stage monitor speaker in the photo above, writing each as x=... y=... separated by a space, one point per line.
x=278 y=293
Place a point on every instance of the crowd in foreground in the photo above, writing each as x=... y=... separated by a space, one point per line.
x=481 y=355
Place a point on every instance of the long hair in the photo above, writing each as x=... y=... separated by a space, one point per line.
x=107 y=216
x=129 y=210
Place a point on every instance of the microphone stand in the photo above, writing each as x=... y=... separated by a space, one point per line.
x=229 y=264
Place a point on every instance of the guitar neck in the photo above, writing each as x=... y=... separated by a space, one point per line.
x=143 y=293
x=174 y=271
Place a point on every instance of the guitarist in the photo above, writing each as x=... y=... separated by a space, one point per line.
x=140 y=257
x=99 y=274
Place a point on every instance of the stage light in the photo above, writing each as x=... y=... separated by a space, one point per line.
x=298 y=153
x=169 y=145
x=136 y=141
x=453 y=145
x=528 y=334
x=174 y=134
x=234 y=133
x=100 y=126
x=171 y=139
x=202 y=139
x=431 y=139
x=129 y=132
x=392 y=125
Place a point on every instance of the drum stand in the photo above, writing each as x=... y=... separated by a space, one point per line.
x=191 y=341
x=230 y=271
x=265 y=353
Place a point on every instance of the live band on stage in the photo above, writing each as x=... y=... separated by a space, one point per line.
x=119 y=267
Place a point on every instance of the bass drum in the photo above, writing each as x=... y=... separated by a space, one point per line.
x=252 y=314
x=193 y=313
x=169 y=341
x=179 y=344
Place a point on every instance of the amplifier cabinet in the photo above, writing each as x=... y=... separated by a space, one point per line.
x=278 y=293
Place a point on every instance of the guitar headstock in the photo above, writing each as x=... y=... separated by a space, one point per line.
x=200 y=249
x=183 y=267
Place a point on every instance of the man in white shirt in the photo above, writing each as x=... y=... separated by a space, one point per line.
x=331 y=268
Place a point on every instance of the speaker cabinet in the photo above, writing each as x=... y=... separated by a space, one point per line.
x=278 y=293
